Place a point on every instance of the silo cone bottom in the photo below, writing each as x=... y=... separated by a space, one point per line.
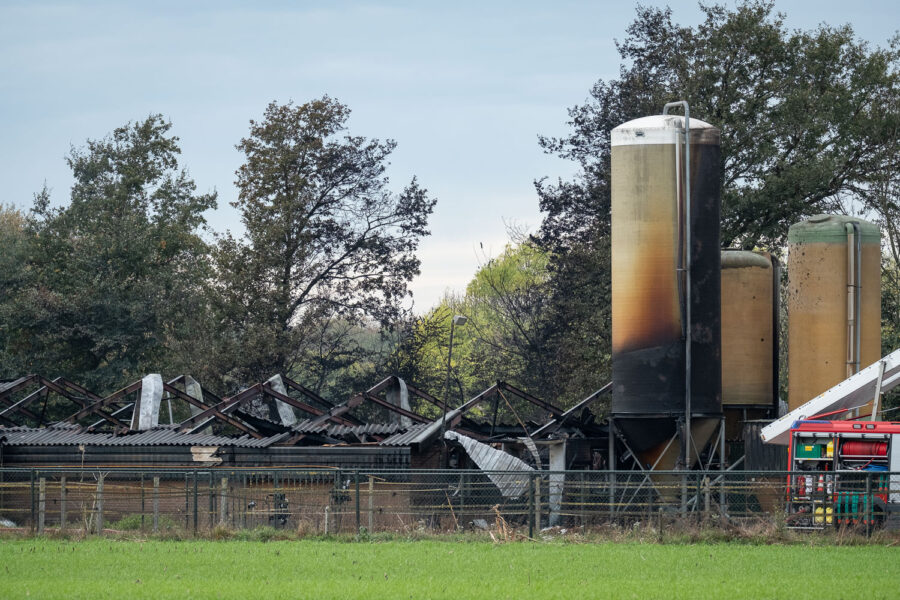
x=669 y=486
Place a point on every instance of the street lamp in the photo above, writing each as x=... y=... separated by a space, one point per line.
x=457 y=320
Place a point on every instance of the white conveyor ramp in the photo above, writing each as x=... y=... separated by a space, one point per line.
x=854 y=391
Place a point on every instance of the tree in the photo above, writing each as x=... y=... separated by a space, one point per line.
x=506 y=337
x=505 y=303
x=113 y=274
x=326 y=239
x=13 y=274
x=806 y=117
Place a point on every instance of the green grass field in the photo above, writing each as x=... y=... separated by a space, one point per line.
x=440 y=569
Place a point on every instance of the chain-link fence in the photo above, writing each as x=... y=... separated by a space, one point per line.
x=331 y=501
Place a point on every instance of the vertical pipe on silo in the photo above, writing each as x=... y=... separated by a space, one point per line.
x=686 y=262
x=853 y=264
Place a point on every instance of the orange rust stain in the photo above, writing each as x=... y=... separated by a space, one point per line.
x=645 y=301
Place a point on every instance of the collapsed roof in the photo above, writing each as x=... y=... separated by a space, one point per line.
x=279 y=412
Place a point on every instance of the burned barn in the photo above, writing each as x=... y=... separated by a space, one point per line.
x=281 y=423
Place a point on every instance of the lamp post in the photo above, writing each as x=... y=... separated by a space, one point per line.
x=457 y=320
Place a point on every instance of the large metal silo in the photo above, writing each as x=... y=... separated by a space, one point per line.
x=749 y=338
x=665 y=286
x=834 y=302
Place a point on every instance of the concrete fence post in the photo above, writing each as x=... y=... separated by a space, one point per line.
x=63 y=517
x=143 y=507
x=223 y=500
x=33 y=500
x=327 y=514
x=530 y=505
x=156 y=505
x=356 y=485
x=196 y=502
x=42 y=503
x=100 y=504
x=371 y=503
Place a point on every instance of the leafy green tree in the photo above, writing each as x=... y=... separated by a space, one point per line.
x=327 y=241
x=114 y=273
x=13 y=275
x=506 y=304
x=506 y=336
x=806 y=118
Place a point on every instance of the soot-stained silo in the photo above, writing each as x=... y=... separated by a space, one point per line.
x=834 y=303
x=657 y=302
x=750 y=284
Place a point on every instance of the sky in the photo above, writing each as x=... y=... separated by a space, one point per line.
x=465 y=88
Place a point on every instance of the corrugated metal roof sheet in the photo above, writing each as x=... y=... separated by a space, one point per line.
x=343 y=431
x=510 y=482
x=70 y=435
x=408 y=437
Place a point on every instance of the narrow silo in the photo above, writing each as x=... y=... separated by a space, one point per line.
x=834 y=303
x=653 y=291
x=749 y=338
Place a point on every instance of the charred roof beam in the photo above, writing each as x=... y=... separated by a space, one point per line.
x=305 y=407
x=240 y=425
x=554 y=424
x=97 y=407
x=226 y=406
x=59 y=386
x=556 y=412
x=359 y=398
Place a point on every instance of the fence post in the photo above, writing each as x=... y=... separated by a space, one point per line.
x=684 y=493
x=245 y=501
x=583 y=503
x=223 y=499
x=212 y=501
x=463 y=486
x=42 y=503
x=156 y=504
x=335 y=501
x=100 y=504
x=143 y=504
x=187 y=501
x=196 y=492
x=62 y=503
x=697 y=492
x=531 y=505
x=868 y=514
x=356 y=481
x=706 y=498
x=537 y=501
x=235 y=497
x=33 y=502
x=371 y=503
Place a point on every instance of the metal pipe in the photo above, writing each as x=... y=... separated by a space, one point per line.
x=854 y=260
x=776 y=334
x=686 y=258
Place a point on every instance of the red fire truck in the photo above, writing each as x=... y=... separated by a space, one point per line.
x=843 y=473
